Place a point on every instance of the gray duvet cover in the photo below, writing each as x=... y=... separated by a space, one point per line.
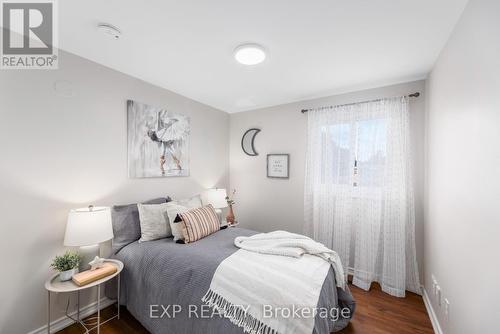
x=160 y=274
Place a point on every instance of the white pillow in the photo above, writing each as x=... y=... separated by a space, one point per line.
x=173 y=209
x=180 y=206
x=154 y=221
x=192 y=203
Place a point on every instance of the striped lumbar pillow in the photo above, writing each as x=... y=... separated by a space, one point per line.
x=198 y=223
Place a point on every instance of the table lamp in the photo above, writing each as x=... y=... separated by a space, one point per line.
x=217 y=198
x=86 y=228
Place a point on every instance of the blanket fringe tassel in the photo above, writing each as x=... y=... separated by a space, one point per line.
x=236 y=314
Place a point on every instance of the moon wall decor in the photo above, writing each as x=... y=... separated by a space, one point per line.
x=248 y=142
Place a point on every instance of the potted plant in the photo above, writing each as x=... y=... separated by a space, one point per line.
x=66 y=264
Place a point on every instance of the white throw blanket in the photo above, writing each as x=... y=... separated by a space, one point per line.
x=273 y=274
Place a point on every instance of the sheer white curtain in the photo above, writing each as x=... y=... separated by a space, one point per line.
x=358 y=195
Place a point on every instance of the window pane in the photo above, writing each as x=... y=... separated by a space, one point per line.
x=371 y=152
x=337 y=158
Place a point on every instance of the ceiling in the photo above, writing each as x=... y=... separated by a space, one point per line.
x=315 y=48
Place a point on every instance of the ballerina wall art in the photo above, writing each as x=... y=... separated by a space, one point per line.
x=158 y=142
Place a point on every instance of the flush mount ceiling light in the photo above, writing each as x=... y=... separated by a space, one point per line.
x=250 y=54
x=109 y=30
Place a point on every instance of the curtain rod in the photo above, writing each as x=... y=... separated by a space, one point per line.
x=417 y=94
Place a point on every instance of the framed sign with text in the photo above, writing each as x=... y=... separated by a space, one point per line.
x=278 y=166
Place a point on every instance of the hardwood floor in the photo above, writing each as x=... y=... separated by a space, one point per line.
x=376 y=313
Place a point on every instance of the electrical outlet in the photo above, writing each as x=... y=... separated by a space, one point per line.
x=434 y=284
x=438 y=294
x=447 y=308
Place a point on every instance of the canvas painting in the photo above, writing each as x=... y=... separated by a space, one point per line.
x=158 y=141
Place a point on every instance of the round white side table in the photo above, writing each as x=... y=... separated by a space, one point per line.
x=54 y=284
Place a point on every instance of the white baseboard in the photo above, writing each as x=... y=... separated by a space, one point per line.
x=432 y=314
x=64 y=322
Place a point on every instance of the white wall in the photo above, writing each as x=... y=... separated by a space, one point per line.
x=58 y=153
x=462 y=228
x=267 y=204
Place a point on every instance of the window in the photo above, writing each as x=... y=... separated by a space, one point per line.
x=355 y=152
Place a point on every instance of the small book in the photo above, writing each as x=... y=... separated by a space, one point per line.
x=89 y=276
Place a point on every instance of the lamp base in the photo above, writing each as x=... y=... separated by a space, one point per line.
x=87 y=254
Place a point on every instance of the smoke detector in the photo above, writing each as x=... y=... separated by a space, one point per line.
x=109 y=30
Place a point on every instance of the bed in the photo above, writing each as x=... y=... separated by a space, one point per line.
x=159 y=274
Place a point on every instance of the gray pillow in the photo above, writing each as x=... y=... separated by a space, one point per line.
x=126 y=224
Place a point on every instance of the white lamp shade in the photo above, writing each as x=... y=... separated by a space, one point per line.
x=88 y=226
x=216 y=197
